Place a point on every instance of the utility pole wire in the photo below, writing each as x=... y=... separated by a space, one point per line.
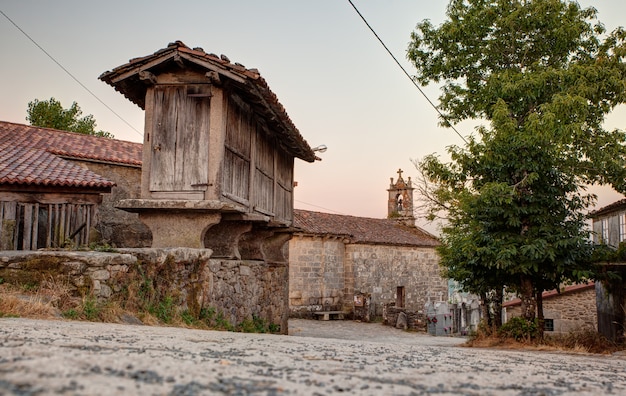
x=69 y=74
x=406 y=73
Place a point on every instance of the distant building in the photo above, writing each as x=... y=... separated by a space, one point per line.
x=609 y=224
x=609 y=228
x=572 y=308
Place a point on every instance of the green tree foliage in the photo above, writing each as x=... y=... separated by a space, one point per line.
x=50 y=114
x=542 y=74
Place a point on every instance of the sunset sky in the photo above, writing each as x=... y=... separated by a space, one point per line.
x=336 y=81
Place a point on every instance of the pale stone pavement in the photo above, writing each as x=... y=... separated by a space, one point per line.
x=319 y=358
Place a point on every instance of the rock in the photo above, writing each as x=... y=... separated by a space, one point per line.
x=402 y=321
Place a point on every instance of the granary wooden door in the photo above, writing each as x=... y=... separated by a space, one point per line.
x=180 y=138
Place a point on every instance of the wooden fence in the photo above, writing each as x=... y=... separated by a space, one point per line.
x=31 y=226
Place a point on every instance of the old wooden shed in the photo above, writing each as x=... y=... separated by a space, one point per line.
x=219 y=149
x=49 y=196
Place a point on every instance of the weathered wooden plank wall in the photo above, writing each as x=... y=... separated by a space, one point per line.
x=256 y=172
x=284 y=183
x=180 y=138
x=238 y=150
x=264 y=176
x=31 y=226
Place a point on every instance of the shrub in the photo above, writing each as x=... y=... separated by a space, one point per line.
x=519 y=329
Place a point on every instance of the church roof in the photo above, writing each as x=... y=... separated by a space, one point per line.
x=130 y=80
x=362 y=230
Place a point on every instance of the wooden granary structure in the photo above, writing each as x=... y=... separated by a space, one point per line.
x=218 y=153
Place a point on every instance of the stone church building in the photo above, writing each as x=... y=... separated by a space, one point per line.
x=337 y=261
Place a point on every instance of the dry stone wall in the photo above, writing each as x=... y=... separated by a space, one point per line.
x=415 y=320
x=238 y=290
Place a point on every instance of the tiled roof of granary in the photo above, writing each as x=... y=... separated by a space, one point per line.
x=362 y=229
x=129 y=79
x=35 y=156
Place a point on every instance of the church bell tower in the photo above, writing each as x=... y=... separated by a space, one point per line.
x=400 y=205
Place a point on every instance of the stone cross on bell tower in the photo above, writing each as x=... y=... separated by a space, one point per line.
x=400 y=204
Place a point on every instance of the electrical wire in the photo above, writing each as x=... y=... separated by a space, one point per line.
x=406 y=73
x=70 y=74
x=320 y=207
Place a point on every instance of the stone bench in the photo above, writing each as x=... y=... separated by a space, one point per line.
x=328 y=315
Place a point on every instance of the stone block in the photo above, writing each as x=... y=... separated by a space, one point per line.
x=100 y=275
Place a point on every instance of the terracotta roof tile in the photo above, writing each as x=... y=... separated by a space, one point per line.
x=34 y=156
x=553 y=293
x=617 y=205
x=362 y=229
x=72 y=145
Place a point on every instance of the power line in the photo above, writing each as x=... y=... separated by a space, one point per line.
x=69 y=74
x=320 y=207
x=406 y=73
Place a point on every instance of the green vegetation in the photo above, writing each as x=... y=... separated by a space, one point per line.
x=51 y=114
x=519 y=329
x=539 y=77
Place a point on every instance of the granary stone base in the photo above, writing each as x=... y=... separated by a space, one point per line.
x=237 y=290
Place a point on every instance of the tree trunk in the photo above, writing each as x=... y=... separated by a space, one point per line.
x=497 y=307
x=486 y=317
x=527 y=295
x=540 y=318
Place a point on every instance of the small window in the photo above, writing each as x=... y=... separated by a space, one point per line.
x=605 y=231
x=548 y=325
x=622 y=227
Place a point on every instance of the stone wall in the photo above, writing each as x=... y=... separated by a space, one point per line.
x=117 y=227
x=569 y=311
x=326 y=274
x=416 y=320
x=237 y=289
x=316 y=275
x=380 y=269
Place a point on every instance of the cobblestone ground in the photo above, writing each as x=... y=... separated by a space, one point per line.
x=319 y=358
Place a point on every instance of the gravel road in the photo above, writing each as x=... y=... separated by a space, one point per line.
x=39 y=357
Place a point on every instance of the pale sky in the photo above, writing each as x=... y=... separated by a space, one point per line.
x=337 y=83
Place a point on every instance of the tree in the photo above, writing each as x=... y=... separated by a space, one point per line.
x=540 y=74
x=50 y=114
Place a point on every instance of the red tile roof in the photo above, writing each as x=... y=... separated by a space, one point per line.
x=615 y=206
x=72 y=145
x=553 y=293
x=127 y=79
x=362 y=229
x=35 y=156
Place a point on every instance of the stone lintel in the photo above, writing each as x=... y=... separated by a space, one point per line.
x=178 y=205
